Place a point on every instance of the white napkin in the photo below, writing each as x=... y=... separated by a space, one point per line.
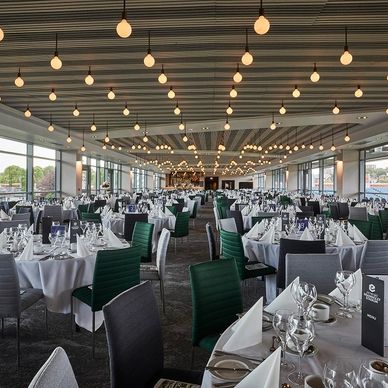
x=297 y=209
x=306 y=235
x=28 y=251
x=160 y=214
x=342 y=238
x=112 y=240
x=269 y=236
x=82 y=250
x=248 y=330
x=257 y=229
x=168 y=212
x=3 y=240
x=266 y=375
x=350 y=230
x=355 y=294
x=98 y=211
x=3 y=215
x=104 y=210
x=358 y=235
x=283 y=301
x=245 y=211
x=31 y=229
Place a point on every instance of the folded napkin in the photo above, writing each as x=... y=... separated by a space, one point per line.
x=3 y=240
x=111 y=239
x=266 y=375
x=284 y=301
x=257 y=229
x=342 y=238
x=160 y=214
x=358 y=235
x=297 y=209
x=350 y=230
x=31 y=229
x=82 y=249
x=269 y=235
x=248 y=330
x=28 y=251
x=168 y=212
x=245 y=211
x=98 y=211
x=306 y=235
x=3 y=215
x=355 y=294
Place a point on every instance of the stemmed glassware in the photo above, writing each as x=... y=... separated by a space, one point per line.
x=339 y=374
x=345 y=280
x=83 y=225
x=368 y=377
x=305 y=295
x=280 y=325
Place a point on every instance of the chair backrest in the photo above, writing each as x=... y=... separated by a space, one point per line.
x=375 y=258
x=161 y=252
x=222 y=211
x=304 y=215
x=211 y=242
x=236 y=214
x=232 y=248
x=316 y=207
x=56 y=372
x=306 y=208
x=216 y=297
x=195 y=208
x=23 y=209
x=216 y=217
x=364 y=227
x=334 y=211
x=343 y=209
x=179 y=206
x=92 y=217
x=295 y=246
x=228 y=224
x=358 y=213
x=142 y=237
x=182 y=224
x=54 y=211
x=115 y=271
x=257 y=219
x=9 y=287
x=383 y=214
x=8 y=224
x=172 y=209
x=130 y=221
x=318 y=269
x=376 y=232
x=99 y=203
x=21 y=217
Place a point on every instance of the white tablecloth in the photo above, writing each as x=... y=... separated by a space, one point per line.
x=269 y=254
x=340 y=341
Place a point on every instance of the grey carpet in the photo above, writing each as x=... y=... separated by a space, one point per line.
x=36 y=346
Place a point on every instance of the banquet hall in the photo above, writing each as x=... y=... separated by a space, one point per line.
x=194 y=193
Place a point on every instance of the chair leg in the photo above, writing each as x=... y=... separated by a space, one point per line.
x=18 y=341
x=162 y=296
x=93 y=335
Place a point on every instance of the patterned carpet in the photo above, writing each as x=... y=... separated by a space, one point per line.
x=36 y=346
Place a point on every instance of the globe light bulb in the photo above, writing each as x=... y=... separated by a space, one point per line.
x=332 y=148
x=296 y=148
x=335 y=110
x=19 y=82
x=162 y=77
x=106 y=139
x=145 y=139
x=282 y=110
x=288 y=147
x=157 y=148
x=50 y=128
x=89 y=80
x=314 y=77
x=83 y=149
x=260 y=148
x=346 y=58
x=52 y=95
x=76 y=111
x=273 y=125
x=233 y=92
x=358 y=93
x=185 y=139
x=133 y=146
x=69 y=139
x=123 y=28
x=126 y=111
x=386 y=111
x=171 y=93
x=237 y=76
x=227 y=126
x=27 y=113
x=303 y=146
x=229 y=110
x=177 y=110
x=311 y=146
x=172 y=151
x=321 y=147
x=149 y=60
x=296 y=92
x=93 y=127
x=136 y=126
x=1 y=34
x=247 y=58
x=111 y=94
x=112 y=146
x=56 y=62
x=144 y=148
x=347 y=138
x=261 y=25
x=181 y=126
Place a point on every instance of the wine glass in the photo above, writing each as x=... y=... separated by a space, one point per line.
x=280 y=325
x=344 y=280
x=304 y=295
x=300 y=332
x=368 y=377
x=83 y=225
x=339 y=374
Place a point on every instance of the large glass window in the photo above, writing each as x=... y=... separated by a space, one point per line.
x=261 y=181
x=279 y=179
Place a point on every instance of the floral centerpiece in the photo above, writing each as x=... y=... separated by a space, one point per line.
x=105 y=186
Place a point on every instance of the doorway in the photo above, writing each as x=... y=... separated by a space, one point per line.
x=211 y=183
x=227 y=184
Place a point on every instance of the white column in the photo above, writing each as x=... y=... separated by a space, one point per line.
x=268 y=180
x=71 y=174
x=126 y=178
x=292 y=177
x=348 y=173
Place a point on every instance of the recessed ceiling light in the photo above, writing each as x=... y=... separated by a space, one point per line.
x=362 y=117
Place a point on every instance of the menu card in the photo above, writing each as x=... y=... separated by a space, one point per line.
x=74 y=230
x=285 y=221
x=374 y=322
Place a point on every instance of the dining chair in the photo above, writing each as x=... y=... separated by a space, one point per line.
x=8 y=224
x=375 y=258
x=216 y=218
x=216 y=299
x=142 y=237
x=343 y=209
x=334 y=211
x=258 y=219
x=172 y=209
x=91 y=217
x=236 y=214
x=383 y=214
x=228 y=224
x=56 y=372
x=364 y=227
x=135 y=343
x=303 y=215
x=54 y=211
x=114 y=272
x=181 y=228
x=24 y=217
x=82 y=209
x=193 y=215
x=306 y=208
x=295 y=246
x=212 y=243
x=358 y=213
x=13 y=300
x=376 y=232
x=316 y=207
x=157 y=272
x=318 y=269
x=26 y=209
x=130 y=220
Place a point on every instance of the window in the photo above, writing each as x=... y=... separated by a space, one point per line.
x=279 y=179
x=261 y=181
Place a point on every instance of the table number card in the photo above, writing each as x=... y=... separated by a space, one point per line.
x=74 y=230
x=321 y=221
x=302 y=224
x=285 y=221
x=131 y=208
x=374 y=333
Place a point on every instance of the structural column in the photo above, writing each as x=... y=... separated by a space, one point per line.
x=348 y=174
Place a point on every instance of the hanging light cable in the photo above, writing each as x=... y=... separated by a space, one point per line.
x=50 y=128
x=69 y=139
x=83 y=149
x=56 y=62
x=149 y=60
x=237 y=75
x=89 y=80
x=19 y=82
x=346 y=58
x=347 y=137
x=93 y=127
x=273 y=124
x=262 y=24
x=123 y=28
x=247 y=58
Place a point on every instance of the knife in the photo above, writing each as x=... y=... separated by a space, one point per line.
x=220 y=368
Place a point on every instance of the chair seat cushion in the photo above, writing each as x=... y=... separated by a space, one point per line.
x=84 y=294
x=29 y=296
x=209 y=342
x=149 y=272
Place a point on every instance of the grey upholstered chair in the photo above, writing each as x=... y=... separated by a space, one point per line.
x=316 y=268
x=8 y=224
x=228 y=224
x=22 y=218
x=375 y=258
x=134 y=334
x=358 y=213
x=54 y=211
x=212 y=243
x=12 y=300
x=56 y=372
x=236 y=214
x=157 y=272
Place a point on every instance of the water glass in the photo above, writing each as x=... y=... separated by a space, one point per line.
x=339 y=374
x=345 y=280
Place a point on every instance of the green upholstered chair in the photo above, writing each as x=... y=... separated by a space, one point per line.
x=193 y=215
x=383 y=214
x=115 y=271
x=82 y=209
x=257 y=219
x=172 y=209
x=91 y=217
x=142 y=237
x=181 y=228
x=216 y=299
x=376 y=232
x=232 y=248
x=364 y=226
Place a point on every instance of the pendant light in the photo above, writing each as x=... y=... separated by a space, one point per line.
x=314 y=77
x=52 y=95
x=1 y=34
x=157 y=147
x=106 y=140
x=332 y=148
x=112 y=146
x=177 y=110
x=27 y=112
x=89 y=80
x=181 y=125
x=262 y=24
x=104 y=147
x=56 y=62
x=282 y=109
x=145 y=138
x=83 y=149
x=227 y=125
x=247 y=58
x=346 y=57
x=237 y=75
x=233 y=92
x=69 y=139
x=171 y=93
x=50 y=128
x=123 y=28
x=93 y=127
x=335 y=110
x=162 y=77
x=287 y=147
x=229 y=109
x=149 y=60
x=126 y=110
x=347 y=137
x=311 y=146
x=273 y=124
x=358 y=93
x=19 y=82
x=76 y=111
x=111 y=95
x=136 y=127
x=296 y=147
x=296 y=92
x=320 y=145
x=185 y=138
